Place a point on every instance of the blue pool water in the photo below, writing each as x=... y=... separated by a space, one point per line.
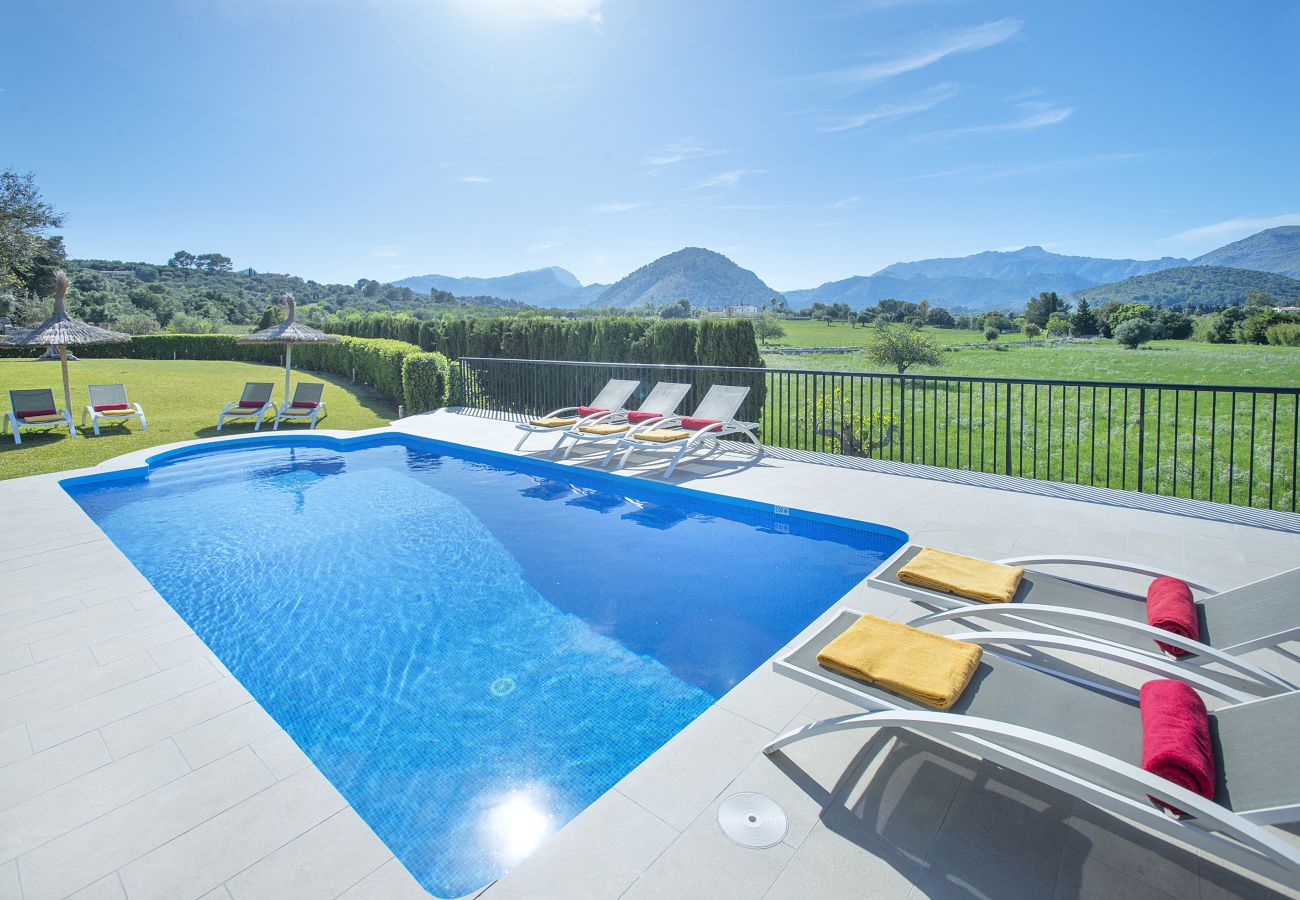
x=471 y=647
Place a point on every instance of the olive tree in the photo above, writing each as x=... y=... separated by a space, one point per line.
x=902 y=346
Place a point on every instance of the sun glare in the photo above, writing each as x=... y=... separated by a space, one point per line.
x=515 y=826
x=565 y=11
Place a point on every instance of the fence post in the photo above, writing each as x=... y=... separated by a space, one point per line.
x=1007 y=433
x=1142 y=435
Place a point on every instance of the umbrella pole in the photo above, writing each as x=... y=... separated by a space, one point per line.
x=288 y=362
x=67 y=391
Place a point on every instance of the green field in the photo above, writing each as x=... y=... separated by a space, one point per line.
x=801 y=333
x=181 y=400
x=1169 y=362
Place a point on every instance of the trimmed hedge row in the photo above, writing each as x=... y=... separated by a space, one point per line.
x=705 y=342
x=379 y=363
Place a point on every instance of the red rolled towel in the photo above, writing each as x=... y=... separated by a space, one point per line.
x=250 y=404
x=1176 y=737
x=636 y=418
x=690 y=423
x=110 y=407
x=585 y=411
x=27 y=414
x=305 y=404
x=1170 y=606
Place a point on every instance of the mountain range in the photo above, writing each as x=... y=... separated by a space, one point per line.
x=991 y=279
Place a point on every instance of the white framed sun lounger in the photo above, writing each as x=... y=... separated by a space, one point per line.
x=253 y=403
x=102 y=395
x=721 y=403
x=1088 y=744
x=612 y=398
x=23 y=406
x=306 y=406
x=663 y=399
x=1263 y=613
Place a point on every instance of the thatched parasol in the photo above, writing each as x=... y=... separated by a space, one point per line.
x=289 y=333
x=59 y=330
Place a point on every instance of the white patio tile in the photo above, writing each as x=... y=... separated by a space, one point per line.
x=108 y=843
x=172 y=628
x=390 y=881
x=100 y=632
x=14 y=744
x=68 y=691
x=76 y=617
x=168 y=718
x=74 y=803
x=34 y=775
x=210 y=853
x=179 y=651
x=324 y=862
x=39 y=674
x=118 y=703
x=281 y=755
x=225 y=733
x=107 y=888
x=9 y=887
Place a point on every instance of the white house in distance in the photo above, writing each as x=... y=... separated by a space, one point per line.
x=739 y=312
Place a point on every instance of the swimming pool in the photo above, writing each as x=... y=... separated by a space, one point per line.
x=470 y=646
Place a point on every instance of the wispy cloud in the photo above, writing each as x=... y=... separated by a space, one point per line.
x=615 y=207
x=680 y=152
x=474 y=179
x=985 y=173
x=938 y=47
x=929 y=100
x=846 y=203
x=549 y=240
x=1236 y=228
x=1031 y=122
x=729 y=178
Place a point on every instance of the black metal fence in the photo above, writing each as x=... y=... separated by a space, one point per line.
x=1228 y=444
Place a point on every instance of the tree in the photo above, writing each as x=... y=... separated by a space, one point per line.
x=998 y=321
x=272 y=315
x=213 y=262
x=1132 y=332
x=940 y=318
x=1032 y=331
x=1174 y=325
x=991 y=334
x=1039 y=309
x=1058 y=325
x=901 y=346
x=768 y=326
x=679 y=309
x=1084 y=323
x=181 y=259
x=28 y=255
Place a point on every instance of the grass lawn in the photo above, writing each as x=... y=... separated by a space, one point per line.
x=181 y=400
x=841 y=334
x=1170 y=362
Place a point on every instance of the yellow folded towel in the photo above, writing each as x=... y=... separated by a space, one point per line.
x=40 y=420
x=114 y=412
x=551 y=422
x=662 y=435
x=930 y=669
x=604 y=429
x=965 y=576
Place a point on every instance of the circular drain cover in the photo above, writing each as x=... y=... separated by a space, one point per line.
x=752 y=820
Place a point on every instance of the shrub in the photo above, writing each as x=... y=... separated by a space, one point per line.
x=990 y=333
x=1286 y=334
x=1132 y=332
x=1031 y=330
x=426 y=381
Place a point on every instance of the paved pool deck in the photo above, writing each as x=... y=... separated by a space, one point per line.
x=132 y=764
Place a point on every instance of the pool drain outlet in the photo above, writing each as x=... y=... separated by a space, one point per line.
x=752 y=820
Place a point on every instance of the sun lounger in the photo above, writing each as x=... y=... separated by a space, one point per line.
x=35 y=409
x=108 y=404
x=1261 y=614
x=612 y=398
x=306 y=406
x=1089 y=744
x=254 y=403
x=662 y=401
x=714 y=418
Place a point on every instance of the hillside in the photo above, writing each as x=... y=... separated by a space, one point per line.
x=552 y=286
x=861 y=291
x=1276 y=250
x=703 y=277
x=1200 y=285
x=1027 y=262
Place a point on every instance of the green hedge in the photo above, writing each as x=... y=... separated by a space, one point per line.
x=426 y=381
x=379 y=363
x=706 y=342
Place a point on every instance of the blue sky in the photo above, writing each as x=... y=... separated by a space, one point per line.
x=807 y=141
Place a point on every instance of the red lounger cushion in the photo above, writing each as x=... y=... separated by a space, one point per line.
x=304 y=404
x=1176 y=737
x=636 y=418
x=250 y=404
x=27 y=414
x=585 y=411
x=690 y=423
x=1170 y=607
x=109 y=407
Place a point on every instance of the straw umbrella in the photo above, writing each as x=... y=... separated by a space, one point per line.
x=289 y=333
x=59 y=330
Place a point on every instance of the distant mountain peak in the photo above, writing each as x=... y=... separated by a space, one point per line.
x=704 y=277
x=548 y=286
x=1274 y=250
